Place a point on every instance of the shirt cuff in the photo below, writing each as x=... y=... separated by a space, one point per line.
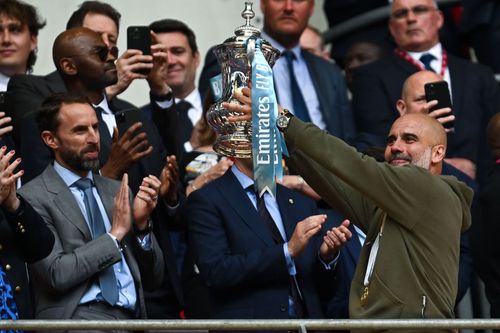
x=331 y=265
x=290 y=264
x=117 y=242
x=187 y=147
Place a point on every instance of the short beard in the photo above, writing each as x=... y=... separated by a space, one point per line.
x=424 y=160
x=77 y=162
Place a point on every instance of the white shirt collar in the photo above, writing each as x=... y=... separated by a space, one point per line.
x=104 y=105
x=436 y=51
x=4 y=80
x=193 y=98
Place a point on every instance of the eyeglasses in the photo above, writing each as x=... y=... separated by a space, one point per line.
x=419 y=10
x=101 y=51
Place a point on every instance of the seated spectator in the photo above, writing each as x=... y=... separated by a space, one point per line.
x=486 y=233
x=312 y=41
x=24 y=238
x=105 y=254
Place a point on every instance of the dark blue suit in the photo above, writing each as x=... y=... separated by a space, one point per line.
x=245 y=271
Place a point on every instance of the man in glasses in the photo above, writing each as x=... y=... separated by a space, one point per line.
x=415 y=26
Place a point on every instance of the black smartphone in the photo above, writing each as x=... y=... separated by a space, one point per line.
x=440 y=92
x=126 y=118
x=139 y=38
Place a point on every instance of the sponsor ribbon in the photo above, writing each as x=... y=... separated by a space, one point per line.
x=267 y=143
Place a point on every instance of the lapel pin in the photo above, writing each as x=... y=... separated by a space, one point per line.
x=290 y=201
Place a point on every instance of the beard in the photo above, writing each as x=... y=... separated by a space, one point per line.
x=77 y=160
x=423 y=161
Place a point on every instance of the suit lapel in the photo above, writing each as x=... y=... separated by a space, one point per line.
x=287 y=210
x=65 y=201
x=458 y=82
x=237 y=199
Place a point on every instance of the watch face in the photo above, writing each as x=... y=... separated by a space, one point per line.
x=282 y=121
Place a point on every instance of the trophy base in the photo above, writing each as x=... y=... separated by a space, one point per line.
x=234 y=145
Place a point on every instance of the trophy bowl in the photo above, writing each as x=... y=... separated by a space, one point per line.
x=234 y=57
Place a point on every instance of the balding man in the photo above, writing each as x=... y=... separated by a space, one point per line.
x=415 y=26
x=487 y=232
x=412 y=216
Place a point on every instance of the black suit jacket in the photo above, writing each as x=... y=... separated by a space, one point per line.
x=25 y=95
x=476 y=97
x=244 y=269
x=486 y=237
x=23 y=239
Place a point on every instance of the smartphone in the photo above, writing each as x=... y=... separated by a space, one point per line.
x=439 y=91
x=126 y=118
x=139 y=38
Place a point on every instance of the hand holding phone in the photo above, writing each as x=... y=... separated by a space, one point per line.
x=439 y=92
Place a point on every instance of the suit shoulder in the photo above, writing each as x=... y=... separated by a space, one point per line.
x=21 y=80
x=121 y=104
x=320 y=62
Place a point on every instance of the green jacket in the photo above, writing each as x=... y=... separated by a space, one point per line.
x=416 y=271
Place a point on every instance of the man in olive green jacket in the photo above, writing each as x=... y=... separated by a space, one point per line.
x=418 y=214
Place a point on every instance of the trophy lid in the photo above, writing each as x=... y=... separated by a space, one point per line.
x=246 y=30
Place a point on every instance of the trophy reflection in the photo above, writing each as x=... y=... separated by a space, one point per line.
x=235 y=58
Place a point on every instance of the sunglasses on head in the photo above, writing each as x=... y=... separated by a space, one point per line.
x=417 y=10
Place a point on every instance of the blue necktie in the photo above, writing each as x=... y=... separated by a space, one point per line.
x=299 y=104
x=8 y=308
x=426 y=59
x=107 y=278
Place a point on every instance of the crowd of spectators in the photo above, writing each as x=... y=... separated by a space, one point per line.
x=372 y=221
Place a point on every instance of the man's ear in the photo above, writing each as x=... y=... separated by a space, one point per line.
x=50 y=140
x=401 y=106
x=438 y=153
x=68 y=66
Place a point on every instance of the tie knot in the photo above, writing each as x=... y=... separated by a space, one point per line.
x=183 y=106
x=426 y=59
x=83 y=184
x=289 y=55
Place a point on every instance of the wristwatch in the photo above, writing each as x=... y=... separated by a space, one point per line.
x=163 y=98
x=283 y=119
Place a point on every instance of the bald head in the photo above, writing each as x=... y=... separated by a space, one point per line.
x=84 y=62
x=76 y=41
x=493 y=134
x=413 y=94
x=417 y=139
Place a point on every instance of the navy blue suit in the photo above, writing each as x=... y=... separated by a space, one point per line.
x=245 y=271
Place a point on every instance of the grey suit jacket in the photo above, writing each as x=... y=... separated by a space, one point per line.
x=61 y=279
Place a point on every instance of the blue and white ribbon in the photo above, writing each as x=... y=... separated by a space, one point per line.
x=267 y=143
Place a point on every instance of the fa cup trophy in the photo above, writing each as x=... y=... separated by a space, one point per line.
x=235 y=58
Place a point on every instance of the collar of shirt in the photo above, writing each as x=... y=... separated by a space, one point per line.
x=196 y=110
x=296 y=49
x=68 y=176
x=107 y=115
x=4 y=80
x=436 y=51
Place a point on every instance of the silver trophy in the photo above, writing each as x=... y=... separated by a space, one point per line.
x=235 y=58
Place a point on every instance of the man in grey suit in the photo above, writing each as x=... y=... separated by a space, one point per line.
x=101 y=261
